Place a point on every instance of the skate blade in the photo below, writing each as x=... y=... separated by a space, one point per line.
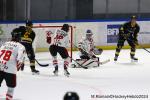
x=134 y=60
x=67 y=75
x=55 y=74
x=33 y=73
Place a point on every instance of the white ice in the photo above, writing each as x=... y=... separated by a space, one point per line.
x=120 y=78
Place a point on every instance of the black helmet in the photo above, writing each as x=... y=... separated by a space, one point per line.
x=16 y=35
x=71 y=96
x=65 y=27
x=133 y=17
x=29 y=23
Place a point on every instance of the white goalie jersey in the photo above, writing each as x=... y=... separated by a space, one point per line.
x=59 y=38
x=11 y=54
x=87 y=45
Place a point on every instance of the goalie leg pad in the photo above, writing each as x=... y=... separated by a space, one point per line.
x=87 y=63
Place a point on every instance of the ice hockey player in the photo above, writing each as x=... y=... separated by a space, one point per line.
x=27 y=38
x=12 y=55
x=128 y=31
x=58 y=41
x=88 y=52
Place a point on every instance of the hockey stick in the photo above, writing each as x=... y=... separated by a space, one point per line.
x=104 y=62
x=140 y=46
x=85 y=66
x=78 y=63
x=101 y=63
x=144 y=48
x=42 y=65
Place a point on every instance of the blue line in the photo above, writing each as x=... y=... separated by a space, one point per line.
x=69 y=21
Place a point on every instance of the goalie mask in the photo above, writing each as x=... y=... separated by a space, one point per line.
x=89 y=34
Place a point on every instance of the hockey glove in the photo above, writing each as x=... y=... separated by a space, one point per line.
x=22 y=67
x=49 y=40
x=93 y=56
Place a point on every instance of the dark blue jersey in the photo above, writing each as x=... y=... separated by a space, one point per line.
x=128 y=31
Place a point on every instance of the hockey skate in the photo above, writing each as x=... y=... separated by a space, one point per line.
x=56 y=71
x=73 y=66
x=35 y=72
x=66 y=73
x=134 y=59
x=115 y=58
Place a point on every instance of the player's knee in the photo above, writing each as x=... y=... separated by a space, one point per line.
x=65 y=56
x=133 y=49
x=119 y=47
x=54 y=57
x=67 y=59
x=10 y=90
x=32 y=62
x=12 y=85
x=31 y=57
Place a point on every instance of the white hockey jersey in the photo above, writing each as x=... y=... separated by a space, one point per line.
x=87 y=45
x=11 y=53
x=60 y=38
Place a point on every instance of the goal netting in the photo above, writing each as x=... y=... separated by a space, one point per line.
x=40 y=43
x=4 y=38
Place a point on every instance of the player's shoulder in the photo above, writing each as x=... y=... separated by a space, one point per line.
x=20 y=44
x=83 y=38
x=126 y=23
x=137 y=25
x=22 y=27
x=57 y=31
x=5 y=43
x=62 y=32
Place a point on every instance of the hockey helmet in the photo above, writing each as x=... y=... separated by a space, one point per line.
x=71 y=96
x=133 y=20
x=65 y=27
x=15 y=35
x=89 y=32
x=29 y=23
x=133 y=17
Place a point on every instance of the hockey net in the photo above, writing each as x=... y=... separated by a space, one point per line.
x=40 y=43
x=4 y=39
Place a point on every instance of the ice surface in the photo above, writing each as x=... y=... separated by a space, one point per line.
x=121 y=78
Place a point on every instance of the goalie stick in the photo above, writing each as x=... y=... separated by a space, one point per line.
x=101 y=63
x=42 y=65
x=78 y=63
